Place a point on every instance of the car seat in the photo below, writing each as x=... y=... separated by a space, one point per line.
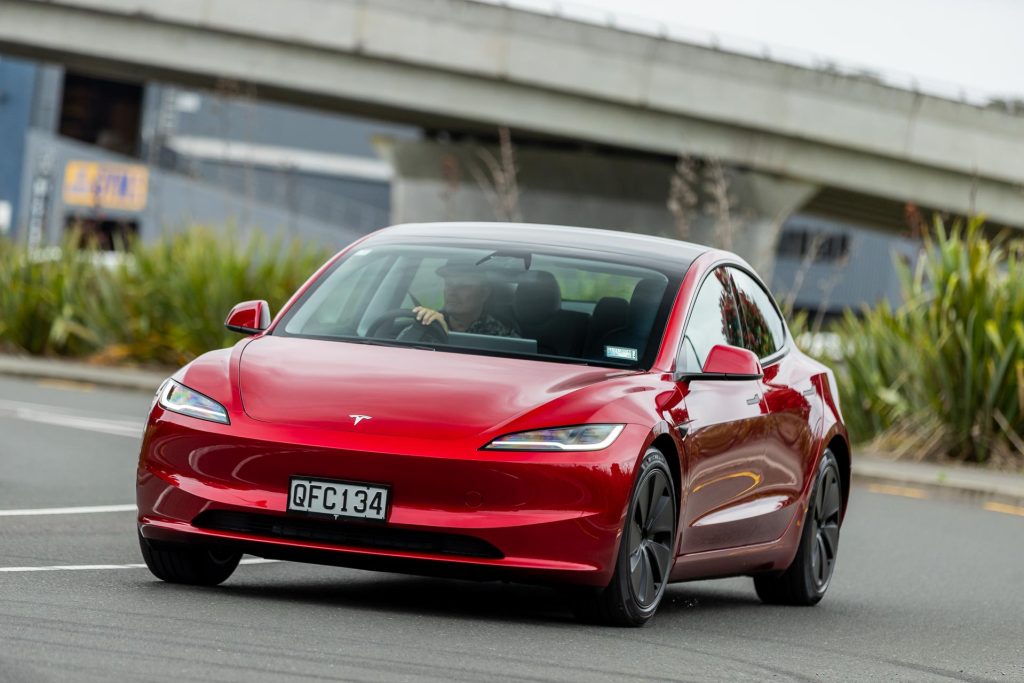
x=610 y=313
x=643 y=309
x=538 y=309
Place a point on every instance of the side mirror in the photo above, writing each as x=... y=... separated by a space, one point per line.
x=249 y=317
x=726 y=362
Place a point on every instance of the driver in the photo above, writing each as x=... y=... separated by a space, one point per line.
x=466 y=290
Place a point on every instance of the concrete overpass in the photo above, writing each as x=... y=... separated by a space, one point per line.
x=458 y=63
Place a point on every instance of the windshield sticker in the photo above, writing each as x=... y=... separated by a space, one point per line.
x=620 y=353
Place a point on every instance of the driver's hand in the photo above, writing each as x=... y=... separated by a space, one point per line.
x=428 y=315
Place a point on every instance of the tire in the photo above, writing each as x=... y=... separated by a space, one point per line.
x=646 y=552
x=805 y=581
x=188 y=565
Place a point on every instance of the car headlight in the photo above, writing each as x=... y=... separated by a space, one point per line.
x=576 y=438
x=180 y=399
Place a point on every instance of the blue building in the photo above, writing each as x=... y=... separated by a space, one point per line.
x=113 y=158
x=17 y=86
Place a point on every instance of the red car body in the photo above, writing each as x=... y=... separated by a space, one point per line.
x=743 y=453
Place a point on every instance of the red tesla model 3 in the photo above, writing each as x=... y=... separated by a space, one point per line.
x=606 y=411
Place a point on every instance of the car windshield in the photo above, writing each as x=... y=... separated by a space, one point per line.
x=511 y=301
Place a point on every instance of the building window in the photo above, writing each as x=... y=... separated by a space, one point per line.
x=799 y=244
x=101 y=112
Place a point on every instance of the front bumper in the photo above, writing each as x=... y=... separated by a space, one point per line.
x=454 y=510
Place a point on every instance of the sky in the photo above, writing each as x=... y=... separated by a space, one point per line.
x=974 y=45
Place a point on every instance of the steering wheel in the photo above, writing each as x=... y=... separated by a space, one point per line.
x=434 y=332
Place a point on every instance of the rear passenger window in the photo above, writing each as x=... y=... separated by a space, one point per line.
x=714 y=320
x=764 y=333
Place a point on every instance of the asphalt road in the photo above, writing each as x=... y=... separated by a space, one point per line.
x=924 y=590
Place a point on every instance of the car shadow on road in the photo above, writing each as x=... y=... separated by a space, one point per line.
x=469 y=599
x=417 y=595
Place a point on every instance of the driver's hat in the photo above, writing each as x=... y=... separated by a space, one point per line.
x=462 y=268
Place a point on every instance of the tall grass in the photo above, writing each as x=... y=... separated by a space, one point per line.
x=41 y=307
x=943 y=374
x=162 y=303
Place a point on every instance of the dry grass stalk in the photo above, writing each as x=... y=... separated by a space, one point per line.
x=500 y=183
x=806 y=261
x=452 y=179
x=682 y=197
x=722 y=203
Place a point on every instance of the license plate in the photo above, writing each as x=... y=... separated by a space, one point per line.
x=337 y=498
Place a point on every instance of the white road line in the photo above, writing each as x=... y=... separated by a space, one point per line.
x=34 y=412
x=67 y=511
x=91 y=567
x=71 y=567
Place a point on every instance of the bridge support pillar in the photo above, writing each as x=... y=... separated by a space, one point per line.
x=464 y=182
x=743 y=212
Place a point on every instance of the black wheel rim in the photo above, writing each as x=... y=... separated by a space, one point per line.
x=825 y=520
x=651 y=532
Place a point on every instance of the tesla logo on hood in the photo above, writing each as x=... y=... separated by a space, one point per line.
x=359 y=418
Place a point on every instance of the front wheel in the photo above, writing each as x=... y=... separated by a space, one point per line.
x=805 y=581
x=195 y=566
x=645 y=551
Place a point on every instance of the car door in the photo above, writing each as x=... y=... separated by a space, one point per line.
x=725 y=424
x=790 y=400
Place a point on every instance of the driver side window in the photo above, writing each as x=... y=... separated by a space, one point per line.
x=713 y=320
x=427 y=287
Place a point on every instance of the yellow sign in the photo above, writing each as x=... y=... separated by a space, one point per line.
x=121 y=187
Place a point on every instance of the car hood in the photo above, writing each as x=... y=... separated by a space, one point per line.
x=407 y=392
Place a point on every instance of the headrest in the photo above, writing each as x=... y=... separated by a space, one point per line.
x=643 y=305
x=610 y=312
x=538 y=297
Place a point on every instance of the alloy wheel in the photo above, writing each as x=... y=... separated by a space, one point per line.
x=827 y=504
x=651 y=531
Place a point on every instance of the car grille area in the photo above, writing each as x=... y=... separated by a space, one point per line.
x=347 y=534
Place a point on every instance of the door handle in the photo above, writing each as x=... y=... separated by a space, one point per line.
x=753 y=400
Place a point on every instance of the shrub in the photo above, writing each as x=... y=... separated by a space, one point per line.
x=40 y=300
x=162 y=303
x=943 y=374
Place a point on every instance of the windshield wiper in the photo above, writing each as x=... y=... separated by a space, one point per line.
x=373 y=341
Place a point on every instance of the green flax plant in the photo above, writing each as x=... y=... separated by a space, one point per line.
x=182 y=287
x=42 y=300
x=942 y=375
x=162 y=303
